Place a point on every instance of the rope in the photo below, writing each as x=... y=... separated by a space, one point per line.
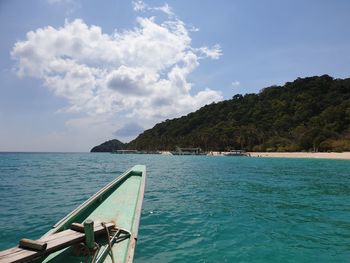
x=110 y=252
x=97 y=249
x=93 y=252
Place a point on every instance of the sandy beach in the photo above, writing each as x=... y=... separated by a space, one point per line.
x=322 y=155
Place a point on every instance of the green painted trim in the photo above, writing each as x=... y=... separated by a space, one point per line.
x=102 y=206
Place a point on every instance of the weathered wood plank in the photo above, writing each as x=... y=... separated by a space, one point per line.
x=32 y=244
x=54 y=242
x=77 y=227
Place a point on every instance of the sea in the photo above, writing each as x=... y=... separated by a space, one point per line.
x=196 y=208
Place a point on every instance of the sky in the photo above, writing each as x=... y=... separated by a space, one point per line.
x=74 y=74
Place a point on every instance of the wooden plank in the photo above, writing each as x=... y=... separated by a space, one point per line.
x=77 y=227
x=54 y=242
x=32 y=244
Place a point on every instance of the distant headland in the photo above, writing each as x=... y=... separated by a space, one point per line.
x=307 y=115
x=110 y=146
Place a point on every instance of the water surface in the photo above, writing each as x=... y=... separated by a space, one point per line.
x=196 y=208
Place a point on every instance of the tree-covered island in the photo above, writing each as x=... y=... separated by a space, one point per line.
x=308 y=114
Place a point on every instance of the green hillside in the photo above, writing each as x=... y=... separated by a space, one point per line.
x=308 y=114
x=109 y=146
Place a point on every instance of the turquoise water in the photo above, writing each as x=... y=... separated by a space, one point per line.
x=196 y=209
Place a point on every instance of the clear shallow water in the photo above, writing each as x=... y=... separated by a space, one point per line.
x=196 y=209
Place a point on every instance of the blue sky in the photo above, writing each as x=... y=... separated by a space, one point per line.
x=90 y=71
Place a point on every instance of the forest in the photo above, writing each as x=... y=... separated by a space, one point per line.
x=109 y=146
x=308 y=114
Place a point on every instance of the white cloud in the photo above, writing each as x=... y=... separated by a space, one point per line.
x=165 y=8
x=129 y=130
x=140 y=72
x=235 y=83
x=214 y=53
x=139 y=5
x=192 y=28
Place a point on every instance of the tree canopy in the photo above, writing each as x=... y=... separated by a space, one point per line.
x=308 y=114
x=109 y=146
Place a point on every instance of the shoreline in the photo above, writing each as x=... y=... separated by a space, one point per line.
x=317 y=155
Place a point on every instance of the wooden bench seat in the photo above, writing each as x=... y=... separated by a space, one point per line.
x=53 y=243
